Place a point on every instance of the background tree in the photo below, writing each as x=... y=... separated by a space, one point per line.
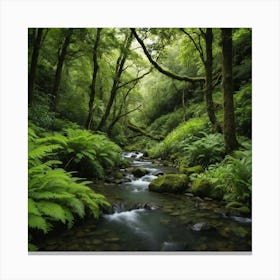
x=94 y=79
x=37 y=42
x=61 y=58
x=231 y=143
x=117 y=77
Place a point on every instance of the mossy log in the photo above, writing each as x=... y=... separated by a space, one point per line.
x=141 y=131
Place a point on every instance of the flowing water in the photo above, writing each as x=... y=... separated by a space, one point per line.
x=146 y=221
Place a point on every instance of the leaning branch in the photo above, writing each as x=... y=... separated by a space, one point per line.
x=159 y=68
x=135 y=80
x=135 y=128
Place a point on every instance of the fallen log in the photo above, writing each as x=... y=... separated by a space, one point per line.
x=141 y=131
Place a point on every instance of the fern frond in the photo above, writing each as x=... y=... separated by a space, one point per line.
x=38 y=222
x=52 y=210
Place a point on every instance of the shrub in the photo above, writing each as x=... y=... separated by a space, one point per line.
x=54 y=195
x=166 y=123
x=204 y=151
x=233 y=176
x=41 y=116
x=87 y=153
x=184 y=132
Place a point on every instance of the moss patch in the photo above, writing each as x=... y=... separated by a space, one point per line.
x=139 y=172
x=190 y=170
x=205 y=188
x=171 y=183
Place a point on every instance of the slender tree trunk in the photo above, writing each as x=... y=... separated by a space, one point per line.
x=119 y=70
x=207 y=61
x=61 y=59
x=93 y=81
x=231 y=143
x=34 y=61
x=208 y=81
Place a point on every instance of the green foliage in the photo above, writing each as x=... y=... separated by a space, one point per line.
x=54 y=195
x=166 y=123
x=233 y=176
x=80 y=150
x=204 y=151
x=171 y=144
x=41 y=116
x=243 y=110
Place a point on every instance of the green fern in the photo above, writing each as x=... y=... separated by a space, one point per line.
x=204 y=151
x=54 y=195
x=233 y=176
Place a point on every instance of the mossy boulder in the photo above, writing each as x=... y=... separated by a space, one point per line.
x=204 y=188
x=170 y=183
x=139 y=172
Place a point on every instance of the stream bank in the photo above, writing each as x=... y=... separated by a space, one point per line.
x=140 y=220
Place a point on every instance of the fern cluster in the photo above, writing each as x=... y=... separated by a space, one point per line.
x=203 y=151
x=54 y=195
x=89 y=154
x=184 y=132
x=233 y=176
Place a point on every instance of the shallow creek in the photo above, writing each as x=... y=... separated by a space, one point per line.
x=146 y=221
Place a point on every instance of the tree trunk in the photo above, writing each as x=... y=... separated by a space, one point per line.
x=208 y=65
x=208 y=81
x=34 y=61
x=61 y=59
x=231 y=143
x=119 y=70
x=93 y=81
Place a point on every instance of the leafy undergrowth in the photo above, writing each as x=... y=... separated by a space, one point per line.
x=54 y=194
x=233 y=177
x=185 y=132
x=80 y=150
x=227 y=177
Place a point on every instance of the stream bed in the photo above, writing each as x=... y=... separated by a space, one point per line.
x=141 y=220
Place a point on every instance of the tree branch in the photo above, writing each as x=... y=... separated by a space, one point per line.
x=159 y=68
x=136 y=79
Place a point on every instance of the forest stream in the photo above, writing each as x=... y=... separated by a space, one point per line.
x=141 y=220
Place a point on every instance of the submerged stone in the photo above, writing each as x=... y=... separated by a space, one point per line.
x=170 y=183
x=139 y=172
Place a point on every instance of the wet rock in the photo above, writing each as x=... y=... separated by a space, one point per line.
x=139 y=172
x=199 y=199
x=118 y=207
x=158 y=173
x=204 y=188
x=202 y=226
x=189 y=194
x=146 y=206
x=170 y=183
